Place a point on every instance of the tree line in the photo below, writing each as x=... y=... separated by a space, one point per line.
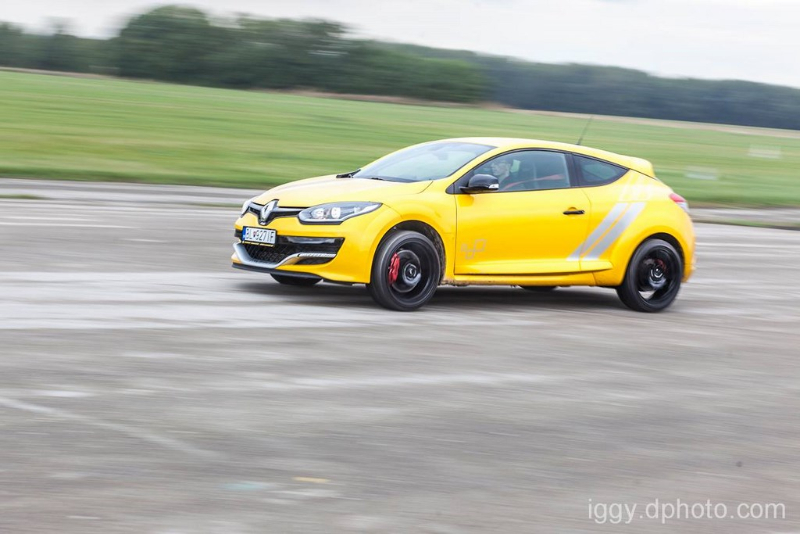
x=184 y=45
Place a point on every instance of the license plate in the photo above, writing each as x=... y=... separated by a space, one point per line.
x=258 y=235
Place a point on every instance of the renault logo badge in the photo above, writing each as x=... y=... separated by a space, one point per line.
x=266 y=211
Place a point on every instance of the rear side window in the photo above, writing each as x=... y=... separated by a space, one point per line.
x=596 y=172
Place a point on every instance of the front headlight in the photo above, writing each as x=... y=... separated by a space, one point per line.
x=246 y=206
x=335 y=212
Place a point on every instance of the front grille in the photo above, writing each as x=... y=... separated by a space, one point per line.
x=282 y=249
x=255 y=209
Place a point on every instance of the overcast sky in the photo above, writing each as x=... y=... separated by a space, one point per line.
x=741 y=39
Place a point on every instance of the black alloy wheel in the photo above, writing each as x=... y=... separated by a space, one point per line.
x=405 y=271
x=653 y=277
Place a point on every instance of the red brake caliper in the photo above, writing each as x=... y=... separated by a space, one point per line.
x=394 y=268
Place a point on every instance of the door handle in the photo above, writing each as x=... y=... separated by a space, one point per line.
x=574 y=212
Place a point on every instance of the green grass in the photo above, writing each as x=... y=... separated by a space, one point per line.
x=106 y=129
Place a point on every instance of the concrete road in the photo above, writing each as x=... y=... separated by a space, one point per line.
x=146 y=387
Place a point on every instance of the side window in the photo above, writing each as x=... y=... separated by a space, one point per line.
x=596 y=172
x=528 y=170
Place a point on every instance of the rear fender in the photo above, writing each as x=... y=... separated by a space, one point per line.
x=649 y=224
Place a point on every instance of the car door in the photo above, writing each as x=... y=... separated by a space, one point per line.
x=530 y=225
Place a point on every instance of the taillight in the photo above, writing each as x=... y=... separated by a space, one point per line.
x=680 y=201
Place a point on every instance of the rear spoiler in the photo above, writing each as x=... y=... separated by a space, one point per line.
x=641 y=165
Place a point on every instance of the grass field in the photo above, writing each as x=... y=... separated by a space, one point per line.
x=105 y=129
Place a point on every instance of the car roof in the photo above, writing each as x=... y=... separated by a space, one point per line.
x=514 y=143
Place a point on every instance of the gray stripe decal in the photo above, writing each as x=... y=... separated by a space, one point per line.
x=600 y=230
x=630 y=215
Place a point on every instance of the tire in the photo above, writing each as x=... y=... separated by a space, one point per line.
x=538 y=289
x=295 y=280
x=405 y=271
x=653 y=277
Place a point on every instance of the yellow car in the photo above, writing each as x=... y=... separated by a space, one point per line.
x=476 y=211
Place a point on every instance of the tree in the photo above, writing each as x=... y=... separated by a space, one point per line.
x=168 y=43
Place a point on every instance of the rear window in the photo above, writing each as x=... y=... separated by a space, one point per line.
x=596 y=172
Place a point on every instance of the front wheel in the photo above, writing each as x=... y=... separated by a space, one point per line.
x=405 y=271
x=295 y=280
x=653 y=277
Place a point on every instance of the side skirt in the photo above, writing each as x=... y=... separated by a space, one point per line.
x=567 y=279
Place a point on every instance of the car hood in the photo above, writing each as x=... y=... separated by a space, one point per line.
x=313 y=191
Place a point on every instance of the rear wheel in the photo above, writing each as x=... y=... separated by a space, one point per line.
x=653 y=278
x=294 y=280
x=405 y=271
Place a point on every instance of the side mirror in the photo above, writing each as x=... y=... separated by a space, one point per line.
x=481 y=183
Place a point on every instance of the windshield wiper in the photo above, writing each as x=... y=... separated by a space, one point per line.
x=347 y=174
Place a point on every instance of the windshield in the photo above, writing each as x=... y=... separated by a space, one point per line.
x=430 y=161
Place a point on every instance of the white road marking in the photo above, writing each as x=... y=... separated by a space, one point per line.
x=143 y=435
x=233 y=214
x=225 y=317
x=311 y=384
x=87 y=209
x=60 y=225
x=36 y=217
x=182 y=278
x=368 y=382
x=62 y=393
x=782 y=244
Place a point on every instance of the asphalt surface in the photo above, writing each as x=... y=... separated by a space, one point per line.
x=147 y=387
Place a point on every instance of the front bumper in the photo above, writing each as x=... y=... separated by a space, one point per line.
x=270 y=259
x=241 y=260
x=347 y=259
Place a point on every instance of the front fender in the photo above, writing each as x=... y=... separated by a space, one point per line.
x=436 y=210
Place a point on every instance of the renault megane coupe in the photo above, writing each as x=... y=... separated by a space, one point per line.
x=476 y=211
